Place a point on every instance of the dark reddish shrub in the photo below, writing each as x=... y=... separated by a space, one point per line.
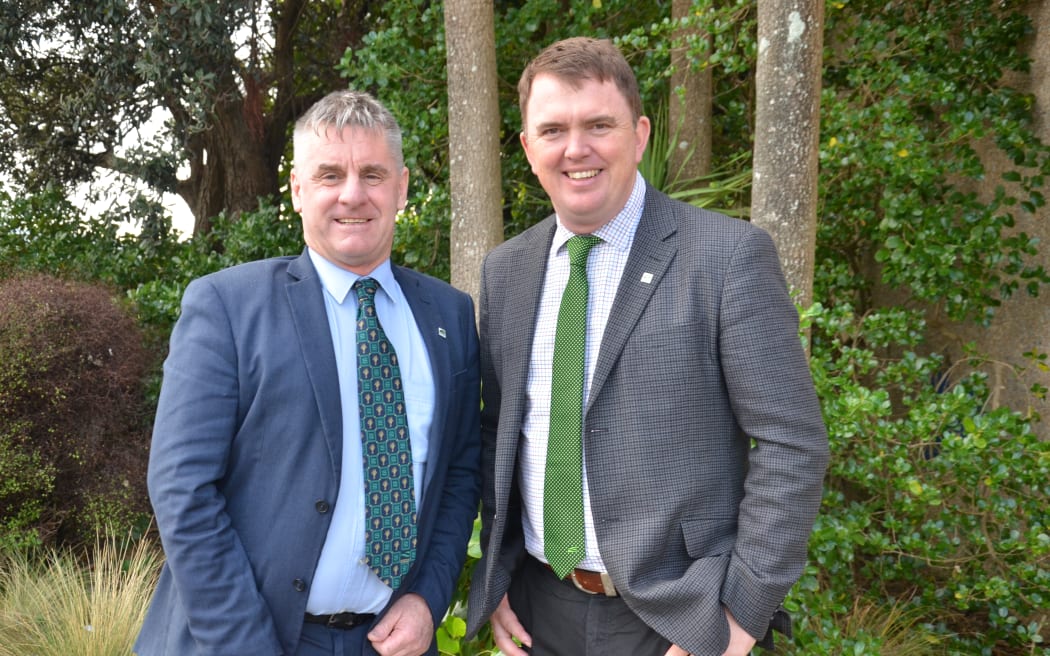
x=74 y=422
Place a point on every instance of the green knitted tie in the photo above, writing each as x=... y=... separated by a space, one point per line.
x=563 y=532
x=390 y=498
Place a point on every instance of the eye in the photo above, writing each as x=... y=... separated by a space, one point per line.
x=328 y=177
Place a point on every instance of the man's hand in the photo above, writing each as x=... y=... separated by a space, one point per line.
x=506 y=627
x=405 y=630
x=740 y=641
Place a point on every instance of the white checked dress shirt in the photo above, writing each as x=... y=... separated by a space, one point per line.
x=605 y=267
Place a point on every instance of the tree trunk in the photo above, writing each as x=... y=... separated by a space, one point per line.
x=230 y=167
x=787 y=126
x=690 y=103
x=473 y=130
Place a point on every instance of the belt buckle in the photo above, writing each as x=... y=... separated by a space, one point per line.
x=608 y=587
x=575 y=581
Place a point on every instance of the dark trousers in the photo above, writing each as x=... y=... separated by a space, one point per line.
x=564 y=621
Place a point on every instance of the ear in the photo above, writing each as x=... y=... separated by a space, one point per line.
x=402 y=199
x=525 y=145
x=641 y=135
x=296 y=190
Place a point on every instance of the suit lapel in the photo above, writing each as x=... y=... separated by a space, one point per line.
x=652 y=252
x=315 y=343
x=430 y=321
x=523 y=286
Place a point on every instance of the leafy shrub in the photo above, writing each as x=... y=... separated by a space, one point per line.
x=73 y=417
x=917 y=101
x=269 y=231
x=47 y=234
x=935 y=503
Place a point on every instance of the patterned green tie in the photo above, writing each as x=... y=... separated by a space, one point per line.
x=390 y=498
x=563 y=532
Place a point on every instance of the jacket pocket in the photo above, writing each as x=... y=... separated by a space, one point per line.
x=706 y=538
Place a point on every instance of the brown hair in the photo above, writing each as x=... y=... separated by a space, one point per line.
x=581 y=58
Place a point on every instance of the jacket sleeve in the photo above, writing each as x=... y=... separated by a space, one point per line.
x=772 y=396
x=192 y=437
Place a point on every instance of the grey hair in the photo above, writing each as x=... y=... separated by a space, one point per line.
x=350 y=109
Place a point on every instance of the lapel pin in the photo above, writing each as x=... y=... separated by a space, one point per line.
x=441 y=332
x=647 y=277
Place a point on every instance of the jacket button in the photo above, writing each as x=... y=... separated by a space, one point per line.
x=322 y=506
x=299 y=585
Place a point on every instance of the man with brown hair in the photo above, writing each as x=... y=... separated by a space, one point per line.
x=653 y=448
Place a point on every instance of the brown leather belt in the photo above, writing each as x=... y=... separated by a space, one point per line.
x=590 y=582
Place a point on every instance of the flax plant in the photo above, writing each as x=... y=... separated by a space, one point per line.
x=724 y=190
x=58 y=605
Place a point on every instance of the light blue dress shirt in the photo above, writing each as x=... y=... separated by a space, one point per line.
x=342 y=581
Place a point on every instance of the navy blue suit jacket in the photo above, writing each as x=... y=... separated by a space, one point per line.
x=247 y=448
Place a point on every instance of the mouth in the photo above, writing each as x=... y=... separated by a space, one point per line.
x=582 y=175
x=351 y=221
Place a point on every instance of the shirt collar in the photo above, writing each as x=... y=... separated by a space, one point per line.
x=337 y=281
x=619 y=232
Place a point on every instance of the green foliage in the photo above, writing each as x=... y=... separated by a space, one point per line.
x=73 y=415
x=54 y=605
x=25 y=482
x=865 y=627
x=45 y=233
x=212 y=84
x=451 y=633
x=270 y=231
x=934 y=501
x=911 y=92
x=730 y=28
x=723 y=189
x=59 y=112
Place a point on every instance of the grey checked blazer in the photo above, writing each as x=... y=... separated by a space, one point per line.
x=704 y=441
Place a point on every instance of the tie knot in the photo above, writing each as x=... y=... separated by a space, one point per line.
x=579 y=247
x=366 y=290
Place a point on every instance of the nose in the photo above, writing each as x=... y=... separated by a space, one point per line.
x=576 y=145
x=352 y=190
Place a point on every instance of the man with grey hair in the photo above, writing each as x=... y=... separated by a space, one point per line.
x=314 y=468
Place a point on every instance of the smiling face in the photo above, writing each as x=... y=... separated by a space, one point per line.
x=348 y=188
x=584 y=147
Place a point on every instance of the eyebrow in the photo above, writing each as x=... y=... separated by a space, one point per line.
x=322 y=169
x=540 y=127
x=602 y=118
x=367 y=169
x=608 y=119
x=375 y=168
